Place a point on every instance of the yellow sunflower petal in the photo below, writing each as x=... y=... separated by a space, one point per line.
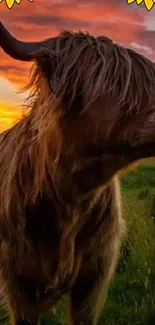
x=10 y=3
x=149 y=4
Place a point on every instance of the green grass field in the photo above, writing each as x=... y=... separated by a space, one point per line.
x=131 y=299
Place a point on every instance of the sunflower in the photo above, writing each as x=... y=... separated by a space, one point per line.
x=148 y=3
x=10 y=3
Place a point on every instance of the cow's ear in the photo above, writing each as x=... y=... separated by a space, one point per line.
x=46 y=62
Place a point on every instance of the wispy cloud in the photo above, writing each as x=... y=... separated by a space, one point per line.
x=10 y=93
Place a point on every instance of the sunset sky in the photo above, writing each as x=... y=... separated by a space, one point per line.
x=130 y=25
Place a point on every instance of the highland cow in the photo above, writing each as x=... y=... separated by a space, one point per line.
x=92 y=114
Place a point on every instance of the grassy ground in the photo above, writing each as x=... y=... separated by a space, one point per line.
x=131 y=299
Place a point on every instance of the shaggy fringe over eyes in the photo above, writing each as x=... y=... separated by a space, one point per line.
x=95 y=66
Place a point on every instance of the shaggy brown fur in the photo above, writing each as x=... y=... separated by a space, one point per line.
x=92 y=114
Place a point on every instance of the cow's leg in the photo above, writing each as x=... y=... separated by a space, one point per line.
x=25 y=302
x=89 y=292
x=11 y=303
x=88 y=296
x=100 y=258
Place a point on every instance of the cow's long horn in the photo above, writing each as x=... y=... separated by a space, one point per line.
x=23 y=51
